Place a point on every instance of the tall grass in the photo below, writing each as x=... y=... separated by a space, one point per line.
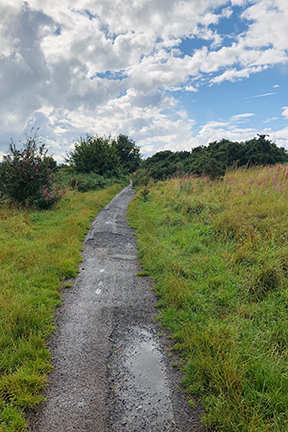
x=39 y=250
x=219 y=255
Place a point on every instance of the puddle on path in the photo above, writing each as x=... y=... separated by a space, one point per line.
x=141 y=384
x=144 y=363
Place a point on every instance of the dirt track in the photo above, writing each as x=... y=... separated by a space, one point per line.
x=112 y=372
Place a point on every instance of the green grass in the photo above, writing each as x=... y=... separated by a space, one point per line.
x=39 y=250
x=218 y=253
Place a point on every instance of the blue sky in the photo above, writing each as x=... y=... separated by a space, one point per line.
x=170 y=75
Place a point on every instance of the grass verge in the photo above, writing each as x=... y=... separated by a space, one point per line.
x=218 y=253
x=39 y=250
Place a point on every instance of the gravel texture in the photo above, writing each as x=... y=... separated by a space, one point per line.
x=111 y=369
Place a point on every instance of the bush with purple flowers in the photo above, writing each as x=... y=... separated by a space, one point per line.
x=49 y=196
x=25 y=176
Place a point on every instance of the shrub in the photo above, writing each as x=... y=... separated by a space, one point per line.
x=48 y=197
x=85 y=182
x=25 y=176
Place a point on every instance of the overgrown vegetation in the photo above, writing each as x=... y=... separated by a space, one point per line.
x=26 y=176
x=212 y=160
x=99 y=162
x=31 y=178
x=218 y=253
x=85 y=182
x=39 y=250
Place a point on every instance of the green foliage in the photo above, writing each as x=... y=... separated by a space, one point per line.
x=164 y=164
x=145 y=193
x=94 y=154
x=217 y=251
x=25 y=176
x=212 y=161
x=128 y=153
x=83 y=182
x=39 y=250
x=143 y=274
x=105 y=157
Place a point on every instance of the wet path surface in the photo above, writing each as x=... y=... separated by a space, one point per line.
x=111 y=370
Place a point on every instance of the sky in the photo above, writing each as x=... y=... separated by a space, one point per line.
x=170 y=74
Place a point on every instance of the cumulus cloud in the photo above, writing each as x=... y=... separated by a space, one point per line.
x=215 y=132
x=108 y=67
x=280 y=137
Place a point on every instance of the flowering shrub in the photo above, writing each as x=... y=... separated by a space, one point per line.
x=47 y=198
x=24 y=173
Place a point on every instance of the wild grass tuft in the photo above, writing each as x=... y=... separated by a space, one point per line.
x=39 y=250
x=218 y=254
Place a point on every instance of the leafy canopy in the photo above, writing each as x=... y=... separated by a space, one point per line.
x=104 y=156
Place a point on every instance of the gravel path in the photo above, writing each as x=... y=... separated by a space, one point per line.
x=112 y=371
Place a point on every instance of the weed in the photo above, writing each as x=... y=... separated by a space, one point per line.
x=145 y=193
x=192 y=403
x=143 y=273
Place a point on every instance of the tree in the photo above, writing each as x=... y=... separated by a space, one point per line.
x=262 y=151
x=127 y=152
x=94 y=154
x=104 y=156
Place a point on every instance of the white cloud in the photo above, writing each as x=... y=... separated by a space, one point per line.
x=227 y=12
x=229 y=129
x=190 y=88
x=106 y=67
x=242 y=117
x=265 y=15
x=235 y=75
x=1 y=155
x=261 y=95
x=285 y=112
x=215 y=132
x=280 y=137
x=269 y=120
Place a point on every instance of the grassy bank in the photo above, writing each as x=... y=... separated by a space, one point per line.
x=218 y=252
x=39 y=250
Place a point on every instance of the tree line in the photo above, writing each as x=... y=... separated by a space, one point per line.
x=30 y=177
x=212 y=160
